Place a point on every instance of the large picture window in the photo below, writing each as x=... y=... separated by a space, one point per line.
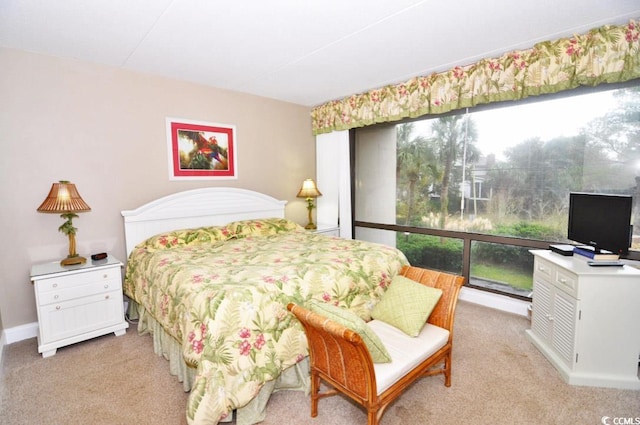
x=502 y=172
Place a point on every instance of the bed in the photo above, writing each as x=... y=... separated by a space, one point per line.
x=210 y=273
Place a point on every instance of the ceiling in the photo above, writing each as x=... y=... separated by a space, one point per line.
x=305 y=52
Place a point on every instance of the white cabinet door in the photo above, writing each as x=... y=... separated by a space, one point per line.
x=541 y=313
x=554 y=319
x=563 y=314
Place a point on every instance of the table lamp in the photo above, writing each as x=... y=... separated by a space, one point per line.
x=309 y=190
x=63 y=198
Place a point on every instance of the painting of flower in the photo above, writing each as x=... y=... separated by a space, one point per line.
x=201 y=150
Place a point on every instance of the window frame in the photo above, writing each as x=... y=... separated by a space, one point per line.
x=469 y=237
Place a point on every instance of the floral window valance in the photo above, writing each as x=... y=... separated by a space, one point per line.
x=607 y=54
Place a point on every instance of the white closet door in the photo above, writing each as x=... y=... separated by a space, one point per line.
x=333 y=179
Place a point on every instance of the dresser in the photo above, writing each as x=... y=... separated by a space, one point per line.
x=76 y=303
x=586 y=320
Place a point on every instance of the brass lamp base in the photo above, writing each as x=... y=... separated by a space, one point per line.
x=310 y=207
x=72 y=261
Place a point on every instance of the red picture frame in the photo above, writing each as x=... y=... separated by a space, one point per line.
x=201 y=150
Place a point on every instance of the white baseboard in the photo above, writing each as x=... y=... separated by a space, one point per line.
x=20 y=333
x=499 y=302
x=2 y=343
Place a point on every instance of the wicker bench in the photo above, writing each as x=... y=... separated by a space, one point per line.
x=339 y=357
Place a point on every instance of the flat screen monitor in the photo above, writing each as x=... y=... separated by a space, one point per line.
x=602 y=221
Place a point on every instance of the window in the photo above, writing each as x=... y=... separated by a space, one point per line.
x=488 y=184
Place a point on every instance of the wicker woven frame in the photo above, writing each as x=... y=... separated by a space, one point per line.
x=339 y=357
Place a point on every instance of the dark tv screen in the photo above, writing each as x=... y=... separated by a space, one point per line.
x=601 y=220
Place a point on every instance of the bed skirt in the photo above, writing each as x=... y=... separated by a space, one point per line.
x=295 y=377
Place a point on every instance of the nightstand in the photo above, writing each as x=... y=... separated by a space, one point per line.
x=328 y=229
x=76 y=303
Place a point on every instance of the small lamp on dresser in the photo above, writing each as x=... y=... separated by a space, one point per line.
x=309 y=191
x=64 y=199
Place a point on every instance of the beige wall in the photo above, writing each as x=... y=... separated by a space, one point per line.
x=104 y=129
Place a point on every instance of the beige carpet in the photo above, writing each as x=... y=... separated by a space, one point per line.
x=498 y=378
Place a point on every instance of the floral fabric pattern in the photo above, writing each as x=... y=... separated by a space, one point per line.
x=226 y=303
x=262 y=227
x=603 y=55
x=185 y=237
x=237 y=229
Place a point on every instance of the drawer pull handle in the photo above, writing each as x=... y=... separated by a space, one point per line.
x=106 y=297
x=106 y=286
x=105 y=276
x=57 y=307
x=55 y=297
x=55 y=285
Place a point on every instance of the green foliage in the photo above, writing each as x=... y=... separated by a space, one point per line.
x=431 y=251
x=529 y=230
x=67 y=227
x=523 y=194
x=200 y=162
x=516 y=278
x=446 y=253
x=516 y=257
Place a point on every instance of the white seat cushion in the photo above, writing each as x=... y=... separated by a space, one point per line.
x=406 y=352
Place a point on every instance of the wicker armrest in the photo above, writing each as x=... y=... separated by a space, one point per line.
x=338 y=354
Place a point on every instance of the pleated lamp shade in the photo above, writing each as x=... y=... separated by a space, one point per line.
x=63 y=197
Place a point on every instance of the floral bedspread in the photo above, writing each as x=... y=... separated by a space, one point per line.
x=222 y=292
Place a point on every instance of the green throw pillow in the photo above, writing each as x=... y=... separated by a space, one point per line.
x=406 y=305
x=349 y=319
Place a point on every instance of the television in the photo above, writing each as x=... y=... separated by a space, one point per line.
x=602 y=221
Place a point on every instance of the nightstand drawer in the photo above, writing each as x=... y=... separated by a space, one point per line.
x=69 y=293
x=57 y=283
x=82 y=315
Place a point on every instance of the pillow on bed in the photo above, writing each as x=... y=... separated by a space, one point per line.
x=349 y=319
x=185 y=237
x=406 y=305
x=262 y=227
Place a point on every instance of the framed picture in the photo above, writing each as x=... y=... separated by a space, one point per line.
x=201 y=150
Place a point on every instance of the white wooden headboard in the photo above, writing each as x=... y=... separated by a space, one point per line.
x=212 y=206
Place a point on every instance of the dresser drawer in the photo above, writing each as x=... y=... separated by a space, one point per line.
x=57 y=283
x=78 y=291
x=544 y=269
x=557 y=276
x=566 y=281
